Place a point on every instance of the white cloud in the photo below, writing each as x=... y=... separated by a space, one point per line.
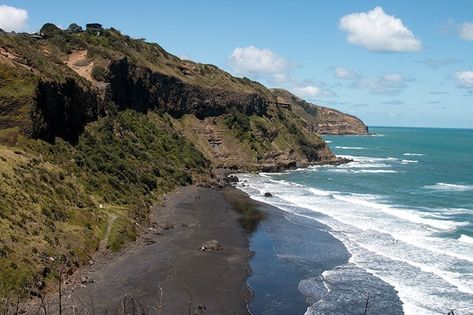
x=12 y=19
x=306 y=91
x=344 y=73
x=388 y=84
x=465 y=78
x=273 y=69
x=375 y=30
x=252 y=60
x=466 y=31
x=395 y=77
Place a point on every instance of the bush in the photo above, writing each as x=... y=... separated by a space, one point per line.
x=99 y=73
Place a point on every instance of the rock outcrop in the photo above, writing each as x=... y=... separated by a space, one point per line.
x=142 y=89
x=320 y=119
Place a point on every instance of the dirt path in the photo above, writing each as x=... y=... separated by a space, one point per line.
x=78 y=62
x=104 y=241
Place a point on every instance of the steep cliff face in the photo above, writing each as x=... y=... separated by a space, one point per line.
x=140 y=88
x=322 y=120
x=63 y=110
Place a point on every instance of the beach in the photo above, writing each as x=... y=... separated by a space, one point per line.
x=166 y=271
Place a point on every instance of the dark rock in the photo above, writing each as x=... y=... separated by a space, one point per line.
x=210 y=246
x=233 y=179
x=45 y=272
x=167 y=226
x=40 y=284
x=141 y=89
x=268 y=194
x=86 y=279
x=184 y=225
x=63 y=110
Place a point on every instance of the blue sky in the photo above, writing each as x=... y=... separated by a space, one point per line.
x=395 y=63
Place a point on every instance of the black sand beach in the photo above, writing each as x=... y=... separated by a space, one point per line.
x=165 y=271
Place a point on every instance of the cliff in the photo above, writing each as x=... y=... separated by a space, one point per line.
x=319 y=119
x=96 y=126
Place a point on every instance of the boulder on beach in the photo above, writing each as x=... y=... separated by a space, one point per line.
x=268 y=194
x=233 y=179
x=210 y=246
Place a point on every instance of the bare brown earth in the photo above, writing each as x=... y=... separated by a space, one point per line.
x=78 y=62
x=166 y=272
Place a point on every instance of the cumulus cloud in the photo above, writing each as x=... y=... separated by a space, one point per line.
x=12 y=19
x=465 y=79
x=344 y=73
x=466 y=31
x=378 y=31
x=259 y=62
x=388 y=84
x=265 y=64
x=308 y=90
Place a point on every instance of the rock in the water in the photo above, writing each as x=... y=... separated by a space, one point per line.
x=233 y=179
x=268 y=194
x=211 y=246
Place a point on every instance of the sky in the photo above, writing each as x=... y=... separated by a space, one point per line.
x=391 y=63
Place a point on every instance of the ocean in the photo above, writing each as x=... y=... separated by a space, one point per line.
x=390 y=232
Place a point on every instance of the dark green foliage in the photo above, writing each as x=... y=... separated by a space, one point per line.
x=132 y=157
x=49 y=30
x=99 y=73
x=74 y=28
x=239 y=123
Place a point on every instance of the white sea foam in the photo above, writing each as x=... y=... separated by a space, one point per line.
x=374 y=171
x=413 y=154
x=466 y=239
x=449 y=187
x=409 y=161
x=396 y=244
x=349 y=148
x=328 y=141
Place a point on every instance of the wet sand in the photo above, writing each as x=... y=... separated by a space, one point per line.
x=166 y=272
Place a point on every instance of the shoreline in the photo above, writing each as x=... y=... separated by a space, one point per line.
x=166 y=271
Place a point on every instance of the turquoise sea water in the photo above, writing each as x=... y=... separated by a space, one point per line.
x=403 y=210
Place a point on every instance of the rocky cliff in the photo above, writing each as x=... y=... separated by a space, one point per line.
x=319 y=119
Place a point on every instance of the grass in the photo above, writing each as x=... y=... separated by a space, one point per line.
x=50 y=193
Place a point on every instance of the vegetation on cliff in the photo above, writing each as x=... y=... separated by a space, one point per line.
x=55 y=199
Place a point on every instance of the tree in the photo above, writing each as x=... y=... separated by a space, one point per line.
x=74 y=28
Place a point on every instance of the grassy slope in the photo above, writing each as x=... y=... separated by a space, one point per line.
x=50 y=194
x=277 y=138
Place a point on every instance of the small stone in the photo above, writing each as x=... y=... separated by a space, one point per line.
x=268 y=194
x=211 y=246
